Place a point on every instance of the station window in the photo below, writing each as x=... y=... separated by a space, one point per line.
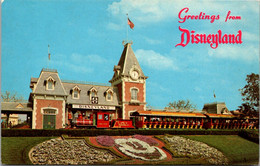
x=75 y=92
x=49 y=112
x=50 y=83
x=92 y=93
x=134 y=93
x=109 y=95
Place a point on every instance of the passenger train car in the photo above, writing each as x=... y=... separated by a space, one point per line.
x=176 y=120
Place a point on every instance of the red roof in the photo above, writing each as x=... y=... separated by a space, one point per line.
x=161 y=113
x=180 y=114
x=220 y=115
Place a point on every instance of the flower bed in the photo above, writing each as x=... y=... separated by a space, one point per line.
x=189 y=148
x=138 y=149
x=105 y=140
x=69 y=152
x=146 y=139
x=137 y=146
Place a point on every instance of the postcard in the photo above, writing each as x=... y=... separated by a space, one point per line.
x=142 y=72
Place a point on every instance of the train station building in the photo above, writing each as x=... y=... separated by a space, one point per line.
x=54 y=102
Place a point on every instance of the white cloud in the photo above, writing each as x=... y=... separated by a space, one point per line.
x=152 y=41
x=155 y=60
x=145 y=10
x=114 y=26
x=250 y=36
x=77 y=62
x=158 y=86
x=87 y=58
x=152 y=11
x=78 y=68
x=249 y=54
x=71 y=66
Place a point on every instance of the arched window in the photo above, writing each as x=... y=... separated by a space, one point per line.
x=134 y=94
x=75 y=92
x=109 y=94
x=50 y=83
x=93 y=95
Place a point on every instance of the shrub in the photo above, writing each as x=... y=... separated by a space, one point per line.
x=109 y=132
x=249 y=135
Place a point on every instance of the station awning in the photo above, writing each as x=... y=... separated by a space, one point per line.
x=16 y=108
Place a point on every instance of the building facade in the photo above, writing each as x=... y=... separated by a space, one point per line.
x=12 y=118
x=216 y=108
x=56 y=102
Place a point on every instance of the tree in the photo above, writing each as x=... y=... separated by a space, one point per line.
x=250 y=92
x=181 y=105
x=247 y=110
x=11 y=97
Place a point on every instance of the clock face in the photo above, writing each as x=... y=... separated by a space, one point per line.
x=134 y=75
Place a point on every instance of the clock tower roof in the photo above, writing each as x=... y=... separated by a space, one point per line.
x=128 y=62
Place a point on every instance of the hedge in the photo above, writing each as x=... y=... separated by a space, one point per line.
x=112 y=132
x=249 y=135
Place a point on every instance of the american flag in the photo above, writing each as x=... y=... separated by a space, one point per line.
x=130 y=23
x=49 y=55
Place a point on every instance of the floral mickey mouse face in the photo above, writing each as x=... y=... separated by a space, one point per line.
x=139 y=149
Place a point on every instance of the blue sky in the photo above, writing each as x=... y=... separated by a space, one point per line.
x=85 y=38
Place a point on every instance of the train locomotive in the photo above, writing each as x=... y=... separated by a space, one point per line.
x=99 y=120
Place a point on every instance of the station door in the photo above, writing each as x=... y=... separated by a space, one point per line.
x=49 y=121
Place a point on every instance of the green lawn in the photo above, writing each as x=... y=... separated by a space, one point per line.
x=15 y=149
x=237 y=149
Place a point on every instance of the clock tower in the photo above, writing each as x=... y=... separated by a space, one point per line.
x=131 y=83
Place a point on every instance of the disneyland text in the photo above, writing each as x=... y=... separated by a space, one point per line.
x=213 y=39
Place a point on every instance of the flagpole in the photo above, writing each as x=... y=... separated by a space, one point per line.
x=214 y=95
x=127 y=28
x=49 y=56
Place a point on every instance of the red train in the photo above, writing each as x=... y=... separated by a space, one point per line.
x=167 y=120
x=101 y=120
